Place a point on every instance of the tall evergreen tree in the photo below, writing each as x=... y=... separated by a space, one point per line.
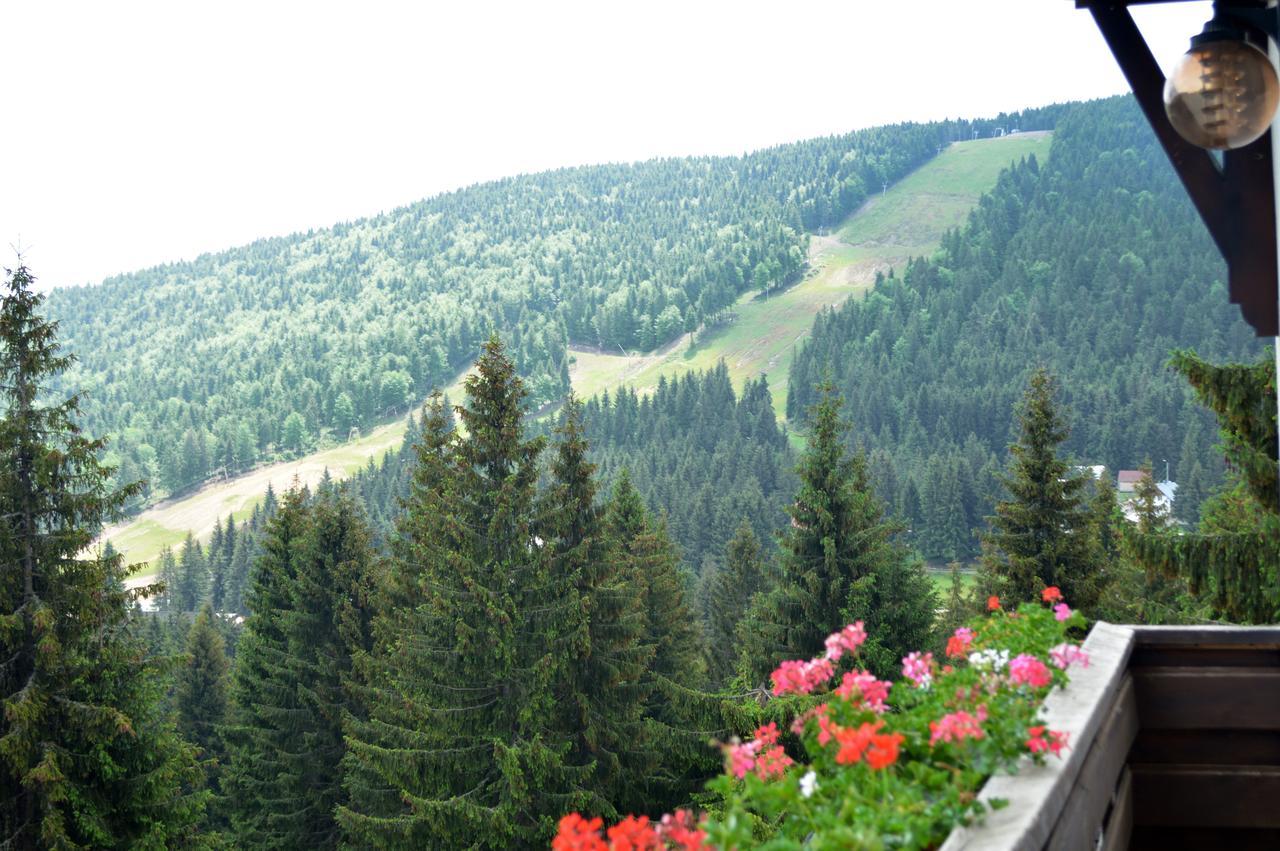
x=1233 y=559
x=200 y=697
x=88 y=759
x=838 y=538
x=676 y=759
x=326 y=621
x=192 y=587
x=168 y=574
x=1041 y=535
x=261 y=732
x=727 y=590
x=463 y=747
x=606 y=658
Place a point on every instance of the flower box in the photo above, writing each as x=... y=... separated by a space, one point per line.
x=1175 y=736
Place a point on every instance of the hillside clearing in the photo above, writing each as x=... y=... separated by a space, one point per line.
x=908 y=220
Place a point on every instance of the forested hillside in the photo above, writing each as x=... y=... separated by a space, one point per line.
x=1092 y=264
x=701 y=456
x=265 y=350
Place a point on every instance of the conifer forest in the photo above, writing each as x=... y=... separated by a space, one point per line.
x=550 y=599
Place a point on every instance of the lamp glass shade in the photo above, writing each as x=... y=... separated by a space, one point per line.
x=1222 y=94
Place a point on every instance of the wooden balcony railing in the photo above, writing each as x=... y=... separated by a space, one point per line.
x=1175 y=735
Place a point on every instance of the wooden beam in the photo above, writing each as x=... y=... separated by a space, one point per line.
x=1195 y=166
x=1206 y=796
x=1207 y=747
x=1208 y=698
x=1083 y=817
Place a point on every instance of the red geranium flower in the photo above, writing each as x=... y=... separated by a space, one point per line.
x=1051 y=594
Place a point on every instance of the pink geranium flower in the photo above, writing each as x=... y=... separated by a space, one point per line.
x=1030 y=671
x=1065 y=655
x=862 y=685
x=1062 y=611
x=848 y=639
x=918 y=667
x=956 y=727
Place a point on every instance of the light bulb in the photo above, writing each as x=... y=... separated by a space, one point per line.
x=1222 y=94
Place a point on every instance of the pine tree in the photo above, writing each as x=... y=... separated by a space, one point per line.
x=260 y=733
x=838 y=538
x=168 y=574
x=326 y=621
x=1148 y=503
x=463 y=747
x=192 y=587
x=1040 y=535
x=606 y=657
x=217 y=563
x=1233 y=560
x=75 y=679
x=675 y=760
x=728 y=590
x=200 y=697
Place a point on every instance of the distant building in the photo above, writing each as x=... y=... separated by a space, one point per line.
x=1164 y=503
x=1127 y=481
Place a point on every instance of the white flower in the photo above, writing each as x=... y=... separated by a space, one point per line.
x=808 y=784
x=989 y=660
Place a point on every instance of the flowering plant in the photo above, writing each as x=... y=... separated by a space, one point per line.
x=878 y=764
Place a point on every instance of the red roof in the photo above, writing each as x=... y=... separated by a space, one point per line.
x=1130 y=476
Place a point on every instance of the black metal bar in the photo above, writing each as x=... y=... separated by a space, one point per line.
x=1194 y=165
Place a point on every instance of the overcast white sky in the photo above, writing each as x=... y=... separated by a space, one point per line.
x=133 y=134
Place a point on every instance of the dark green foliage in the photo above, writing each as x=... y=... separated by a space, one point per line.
x=465 y=746
x=1041 y=535
x=261 y=734
x=200 y=698
x=607 y=657
x=381 y=310
x=168 y=576
x=1233 y=560
x=674 y=705
x=191 y=587
x=840 y=559
x=700 y=454
x=1092 y=261
x=88 y=759
x=310 y=619
x=725 y=590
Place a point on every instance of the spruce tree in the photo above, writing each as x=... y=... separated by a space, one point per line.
x=200 y=696
x=326 y=621
x=192 y=586
x=168 y=584
x=1232 y=561
x=88 y=758
x=217 y=560
x=727 y=592
x=838 y=537
x=1040 y=536
x=464 y=746
x=675 y=760
x=261 y=733
x=243 y=555
x=605 y=655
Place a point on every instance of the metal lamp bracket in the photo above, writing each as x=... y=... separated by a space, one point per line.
x=1237 y=200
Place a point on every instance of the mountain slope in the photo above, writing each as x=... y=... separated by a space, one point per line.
x=909 y=218
x=759 y=333
x=261 y=352
x=1092 y=263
